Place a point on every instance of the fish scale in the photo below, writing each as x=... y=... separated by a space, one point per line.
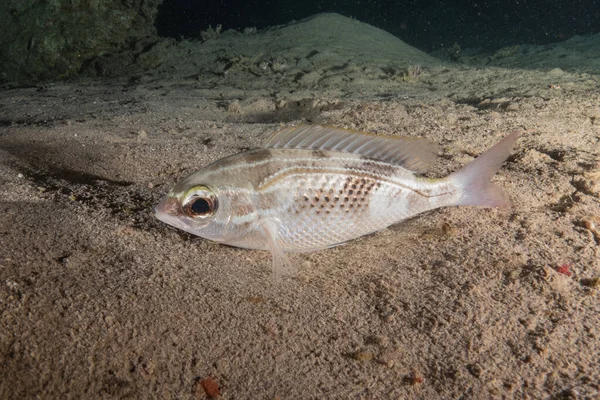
x=313 y=187
x=323 y=209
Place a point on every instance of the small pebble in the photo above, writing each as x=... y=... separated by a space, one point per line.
x=590 y=222
x=379 y=340
x=591 y=282
x=475 y=370
x=363 y=356
x=414 y=378
x=210 y=387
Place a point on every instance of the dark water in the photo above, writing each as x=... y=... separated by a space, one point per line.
x=426 y=24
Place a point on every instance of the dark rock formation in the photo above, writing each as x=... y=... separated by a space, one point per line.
x=54 y=39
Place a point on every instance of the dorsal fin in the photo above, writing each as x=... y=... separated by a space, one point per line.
x=412 y=153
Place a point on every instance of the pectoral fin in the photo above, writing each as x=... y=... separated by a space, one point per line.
x=280 y=261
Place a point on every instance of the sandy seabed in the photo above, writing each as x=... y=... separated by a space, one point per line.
x=98 y=299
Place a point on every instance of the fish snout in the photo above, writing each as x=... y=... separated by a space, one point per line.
x=168 y=206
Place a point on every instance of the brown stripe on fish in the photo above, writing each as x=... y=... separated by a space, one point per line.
x=374 y=167
x=294 y=170
x=414 y=200
x=236 y=167
x=257 y=156
x=241 y=160
x=319 y=154
x=300 y=171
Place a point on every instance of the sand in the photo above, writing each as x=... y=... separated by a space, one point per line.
x=98 y=299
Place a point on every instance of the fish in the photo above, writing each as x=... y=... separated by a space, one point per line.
x=313 y=187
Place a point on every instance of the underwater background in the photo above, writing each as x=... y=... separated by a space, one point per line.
x=428 y=25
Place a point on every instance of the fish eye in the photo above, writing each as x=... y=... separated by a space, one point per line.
x=200 y=202
x=200 y=206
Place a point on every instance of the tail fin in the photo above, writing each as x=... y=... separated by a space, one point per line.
x=473 y=180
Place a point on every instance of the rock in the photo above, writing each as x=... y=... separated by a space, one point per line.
x=55 y=39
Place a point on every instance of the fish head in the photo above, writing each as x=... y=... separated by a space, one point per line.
x=207 y=205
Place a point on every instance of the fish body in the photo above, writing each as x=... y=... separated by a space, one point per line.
x=315 y=187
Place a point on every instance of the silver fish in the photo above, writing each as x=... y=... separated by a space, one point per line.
x=313 y=187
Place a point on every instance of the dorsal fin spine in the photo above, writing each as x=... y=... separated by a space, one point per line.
x=411 y=153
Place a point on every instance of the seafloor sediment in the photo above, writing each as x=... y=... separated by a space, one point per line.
x=98 y=299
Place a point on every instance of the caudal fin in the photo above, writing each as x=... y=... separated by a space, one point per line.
x=473 y=180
